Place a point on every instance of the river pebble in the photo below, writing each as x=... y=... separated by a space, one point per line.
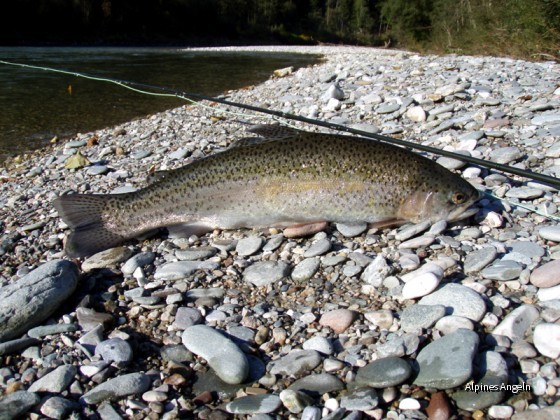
x=34 y=297
x=254 y=404
x=296 y=363
x=56 y=381
x=222 y=354
x=115 y=350
x=447 y=362
x=268 y=291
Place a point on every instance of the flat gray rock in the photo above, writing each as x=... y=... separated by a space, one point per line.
x=447 y=362
x=56 y=381
x=248 y=246
x=551 y=233
x=416 y=317
x=529 y=249
x=254 y=404
x=360 y=399
x=121 y=386
x=33 y=298
x=58 y=407
x=263 y=273
x=492 y=370
x=139 y=260
x=458 y=300
x=351 y=230
x=296 y=363
x=182 y=269
x=16 y=404
x=221 y=353
x=108 y=258
x=115 y=350
x=477 y=260
x=322 y=246
x=319 y=383
x=192 y=254
x=502 y=270
x=382 y=373
x=305 y=269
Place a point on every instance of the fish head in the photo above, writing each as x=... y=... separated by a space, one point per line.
x=440 y=202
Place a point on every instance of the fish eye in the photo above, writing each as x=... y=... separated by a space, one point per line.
x=458 y=198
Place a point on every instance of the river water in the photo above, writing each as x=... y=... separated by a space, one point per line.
x=36 y=105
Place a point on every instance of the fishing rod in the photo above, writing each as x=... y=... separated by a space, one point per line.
x=139 y=87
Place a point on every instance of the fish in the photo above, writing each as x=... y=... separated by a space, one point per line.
x=281 y=178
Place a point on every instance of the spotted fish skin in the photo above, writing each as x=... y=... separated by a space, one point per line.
x=288 y=177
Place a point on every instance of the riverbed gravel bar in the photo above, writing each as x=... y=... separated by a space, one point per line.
x=352 y=322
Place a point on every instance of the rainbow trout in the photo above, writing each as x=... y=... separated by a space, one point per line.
x=283 y=178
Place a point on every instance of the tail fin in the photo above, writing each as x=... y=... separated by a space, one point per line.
x=84 y=215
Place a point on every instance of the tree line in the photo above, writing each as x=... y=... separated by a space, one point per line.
x=518 y=27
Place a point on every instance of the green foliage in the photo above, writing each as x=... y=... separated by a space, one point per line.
x=506 y=27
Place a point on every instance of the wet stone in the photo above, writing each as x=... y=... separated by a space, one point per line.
x=385 y=372
x=263 y=273
x=254 y=404
x=458 y=300
x=447 y=362
x=417 y=317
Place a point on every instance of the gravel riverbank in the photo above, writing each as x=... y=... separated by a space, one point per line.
x=350 y=323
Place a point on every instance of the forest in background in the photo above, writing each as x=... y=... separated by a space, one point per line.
x=518 y=28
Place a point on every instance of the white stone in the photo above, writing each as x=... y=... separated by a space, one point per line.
x=546 y=339
x=409 y=404
x=420 y=286
x=416 y=113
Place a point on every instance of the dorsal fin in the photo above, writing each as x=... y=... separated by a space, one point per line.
x=273 y=131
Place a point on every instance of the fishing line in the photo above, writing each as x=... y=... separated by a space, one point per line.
x=190 y=96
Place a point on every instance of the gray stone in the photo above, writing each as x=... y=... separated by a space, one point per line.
x=516 y=324
x=192 y=254
x=186 y=317
x=546 y=413
x=114 y=388
x=254 y=404
x=311 y=413
x=551 y=233
x=305 y=269
x=477 y=260
x=17 y=345
x=458 y=300
x=320 y=247
x=56 y=381
x=263 y=273
x=296 y=363
x=318 y=384
x=382 y=373
x=221 y=353
x=319 y=344
x=139 y=260
x=416 y=317
x=115 y=350
x=360 y=399
x=505 y=154
x=451 y=323
x=45 y=330
x=176 y=353
x=529 y=249
x=249 y=246
x=546 y=338
x=351 y=230
x=376 y=272
x=421 y=241
x=17 y=403
x=107 y=412
x=412 y=230
x=108 y=258
x=388 y=108
x=447 y=362
x=451 y=163
x=182 y=269
x=58 y=407
x=492 y=370
x=502 y=270
x=524 y=193
x=295 y=401
x=273 y=243
x=33 y=298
